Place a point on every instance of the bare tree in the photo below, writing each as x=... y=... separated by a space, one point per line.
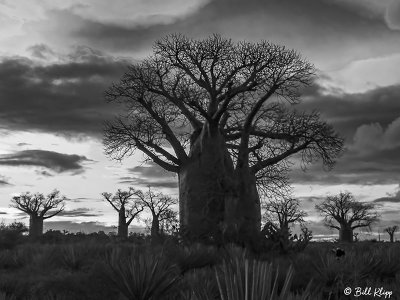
x=345 y=214
x=160 y=207
x=39 y=208
x=128 y=206
x=284 y=213
x=217 y=113
x=391 y=230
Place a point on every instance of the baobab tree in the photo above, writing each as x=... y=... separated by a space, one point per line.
x=218 y=114
x=344 y=213
x=279 y=216
x=160 y=208
x=128 y=206
x=39 y=208
x=391 y=230
x=284 y=213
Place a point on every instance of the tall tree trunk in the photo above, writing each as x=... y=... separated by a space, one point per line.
x=247 y=206
x=155 y=227
x=391 y=237
x=122 y=226
x=35 y=226
x=345 y=233
x=205 y=184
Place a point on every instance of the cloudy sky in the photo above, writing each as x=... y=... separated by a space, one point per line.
x=58 y=57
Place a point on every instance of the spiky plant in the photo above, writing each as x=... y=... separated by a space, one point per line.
x=141 y=275
x=245 y=279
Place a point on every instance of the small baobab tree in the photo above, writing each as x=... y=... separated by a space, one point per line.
x=160 y=207
x=39 y=208
x=280 y=215
x=391 y=230
x=284 y=213
x=128 y=206
x=345 y=214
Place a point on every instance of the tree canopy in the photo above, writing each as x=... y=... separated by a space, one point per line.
x=242 y=88
x=344 y=209
x=39 y=205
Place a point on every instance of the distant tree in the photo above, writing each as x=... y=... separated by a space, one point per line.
x=345 y=214
x=128 y=206
x=279 y=216
x=284 y=213
x=391 y=231
x=219 y=114
x=159 y=205
x=39 y=208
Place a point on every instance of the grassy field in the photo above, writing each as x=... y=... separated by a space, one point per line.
x=100 y=267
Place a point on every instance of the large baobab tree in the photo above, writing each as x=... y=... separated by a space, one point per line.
x=218 y=114
x=39 y=208
x=160 y=208
x=391 y=230
x=344 y=213
x=128 y=206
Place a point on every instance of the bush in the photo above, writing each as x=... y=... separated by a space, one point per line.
x=12 y=234
x=141 y=275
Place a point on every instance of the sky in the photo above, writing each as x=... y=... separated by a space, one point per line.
x=58 y=57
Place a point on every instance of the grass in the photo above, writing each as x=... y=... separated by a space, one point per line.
x=104 y=269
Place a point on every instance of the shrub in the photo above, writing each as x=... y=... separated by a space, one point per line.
x=243 y=279
x=11 y=235
x=141 y=275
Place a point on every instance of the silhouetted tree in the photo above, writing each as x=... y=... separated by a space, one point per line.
x=217 y=114
x=280 y=215
x=128 y=206
x=391 y=230
x=159 y=205
x=345 y=214
x=39 y=208
x=284 y=213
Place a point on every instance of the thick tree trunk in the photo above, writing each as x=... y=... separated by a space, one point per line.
x=345 y=233
x=244 y=211
x=205 y=184
x=122 y=226
x=391 y=237
x=155 y=227
x=35 y=226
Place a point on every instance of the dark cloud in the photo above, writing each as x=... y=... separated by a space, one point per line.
x=78 y=212
x=81 y=199
x=387 y=199
x=390 y=198
x=65 y=98
x=338 y=23
x=43 y=173
x=370 y=124
x=349 y=111
x=150 y=170
x=380 y=167
x=23 y=144
x=3 y=213
x=4 y=182
x=142 y=182
x=42 y=51
x=150 y=174
x=57 y=162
